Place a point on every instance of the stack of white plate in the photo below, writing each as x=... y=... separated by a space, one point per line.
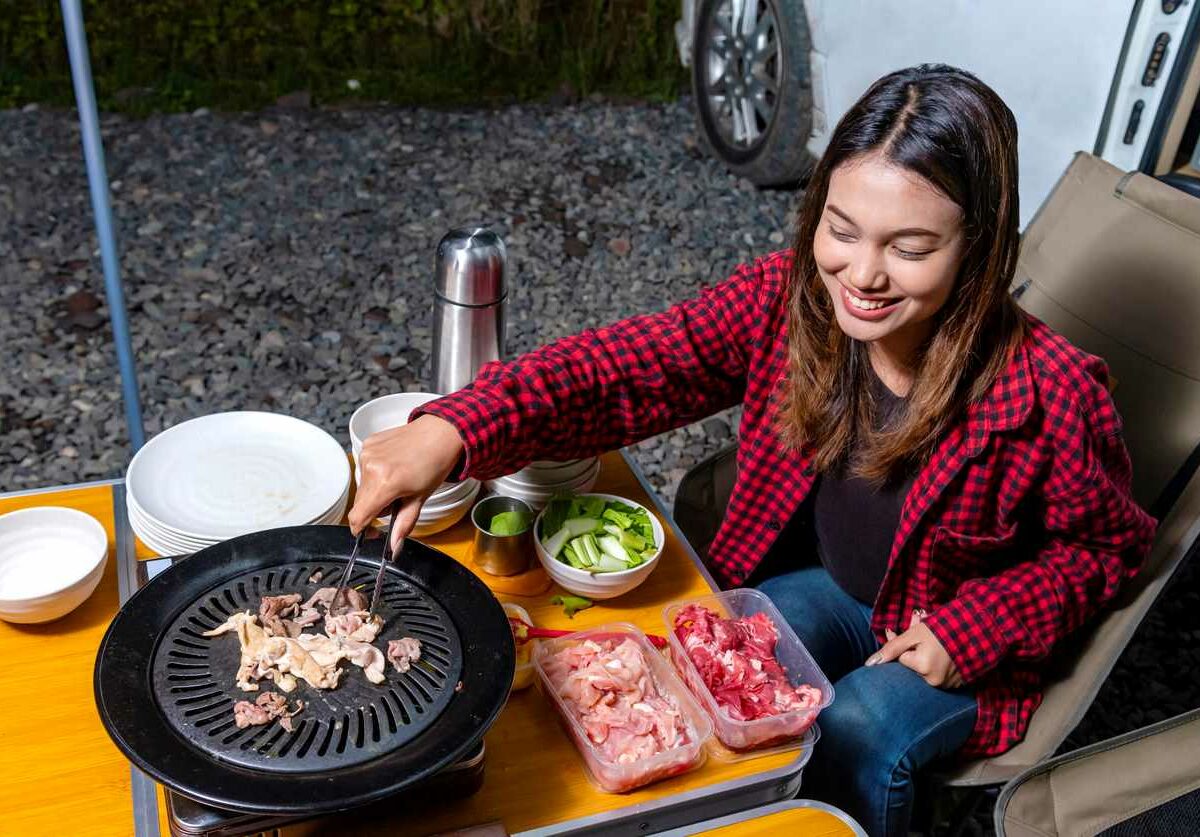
x=224 y=475
x=452 y=500
x=537 y=482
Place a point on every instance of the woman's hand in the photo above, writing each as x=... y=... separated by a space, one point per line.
x=918 y=649
x=407 y=462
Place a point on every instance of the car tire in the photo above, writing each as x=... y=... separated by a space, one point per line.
x=777 y=155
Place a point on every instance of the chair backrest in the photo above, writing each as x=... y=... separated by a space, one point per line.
x=1143 y=782
x=1112 y=262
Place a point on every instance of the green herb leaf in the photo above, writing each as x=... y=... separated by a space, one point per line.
x=572 y=604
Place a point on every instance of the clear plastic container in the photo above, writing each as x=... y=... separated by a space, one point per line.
x=615 y=777
x=775 y=731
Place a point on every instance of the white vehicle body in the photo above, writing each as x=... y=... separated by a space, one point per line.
x=1073 y=71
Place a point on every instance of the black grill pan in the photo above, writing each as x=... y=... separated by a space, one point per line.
x=165 y=693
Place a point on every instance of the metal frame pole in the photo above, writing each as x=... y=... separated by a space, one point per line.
x=93 y=154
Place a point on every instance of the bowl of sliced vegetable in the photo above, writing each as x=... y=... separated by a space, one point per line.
x=597 y=545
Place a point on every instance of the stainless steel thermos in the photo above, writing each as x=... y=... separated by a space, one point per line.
x=468 y=309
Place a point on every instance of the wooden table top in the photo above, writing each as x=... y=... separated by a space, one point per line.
x=60 y=773
x=809 y=822
x=54 y=741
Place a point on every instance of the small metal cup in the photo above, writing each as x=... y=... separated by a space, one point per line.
x=501 y=554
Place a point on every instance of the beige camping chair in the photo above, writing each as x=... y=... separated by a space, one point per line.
x=1142 y=783
x=1111 y=261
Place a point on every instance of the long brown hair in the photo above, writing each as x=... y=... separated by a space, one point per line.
x=951 y=129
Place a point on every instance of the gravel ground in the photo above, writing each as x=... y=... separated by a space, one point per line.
x=282 y=261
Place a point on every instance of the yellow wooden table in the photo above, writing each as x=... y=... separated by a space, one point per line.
x=811 y=819
x=61 y=773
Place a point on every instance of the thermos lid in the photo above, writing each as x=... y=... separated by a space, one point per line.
x=469 y=267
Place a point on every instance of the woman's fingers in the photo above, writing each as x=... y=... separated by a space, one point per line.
x=892 y=649
x=408 y=462
x=406 y=520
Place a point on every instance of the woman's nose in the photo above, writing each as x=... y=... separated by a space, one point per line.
x=866 y=273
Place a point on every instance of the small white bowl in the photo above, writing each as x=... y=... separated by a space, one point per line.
x=600 y=585
x=384 y=413
x=51 y=559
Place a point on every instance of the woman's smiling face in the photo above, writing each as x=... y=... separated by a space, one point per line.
x=888 y=249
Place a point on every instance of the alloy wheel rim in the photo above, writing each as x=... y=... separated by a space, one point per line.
x=743 y=71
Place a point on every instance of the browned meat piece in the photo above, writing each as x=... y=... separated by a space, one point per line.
x=268 y=707
x=402 y=653
x=322 y=600
x=273 y=609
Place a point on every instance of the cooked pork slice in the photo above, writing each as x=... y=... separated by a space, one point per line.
x=358 y=625
x=402 y=653
x=231 y=624
x=365 y=656
x=250 y=636
x=290 y=656
x=272 y=611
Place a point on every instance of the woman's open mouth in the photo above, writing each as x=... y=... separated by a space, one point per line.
x=867 y=309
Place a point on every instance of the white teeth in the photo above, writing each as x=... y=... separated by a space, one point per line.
x=866 y=304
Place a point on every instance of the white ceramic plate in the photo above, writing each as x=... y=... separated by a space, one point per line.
x=228 y=474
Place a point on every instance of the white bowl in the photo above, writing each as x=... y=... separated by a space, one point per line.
x=600 y=585
x=384 y=413
x=538 y=481
x=51 y=560
x=444 y=520
x=539 y=497
x=536 y=473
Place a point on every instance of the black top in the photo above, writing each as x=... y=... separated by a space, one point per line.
x=855 y=522
x=846 y=521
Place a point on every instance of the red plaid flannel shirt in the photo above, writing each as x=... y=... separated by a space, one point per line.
x=1020 y=527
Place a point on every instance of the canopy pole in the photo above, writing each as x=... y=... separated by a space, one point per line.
x=93 y=154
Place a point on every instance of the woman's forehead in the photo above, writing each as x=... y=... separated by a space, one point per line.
x=879 y=196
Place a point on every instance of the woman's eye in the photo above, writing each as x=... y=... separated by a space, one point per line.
x=839 y=235
x=914 y=255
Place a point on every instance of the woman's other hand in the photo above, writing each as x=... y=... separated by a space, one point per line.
x=918 y=649
x=407 y=462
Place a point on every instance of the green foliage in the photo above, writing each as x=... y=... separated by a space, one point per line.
x=173 y=55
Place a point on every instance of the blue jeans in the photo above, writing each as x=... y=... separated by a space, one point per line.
x=885 y=723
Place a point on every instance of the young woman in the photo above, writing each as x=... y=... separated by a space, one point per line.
x=956 y=468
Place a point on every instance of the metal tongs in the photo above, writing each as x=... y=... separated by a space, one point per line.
x=388 y=555
x=340 y=594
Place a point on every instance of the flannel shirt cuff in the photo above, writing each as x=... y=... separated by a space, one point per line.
x=481 y=439
x=971 y=635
